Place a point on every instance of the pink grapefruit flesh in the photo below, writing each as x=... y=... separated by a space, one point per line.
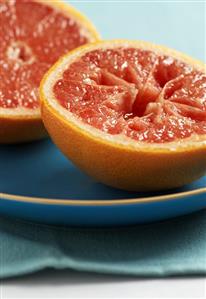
x=141 y=94
x=32 y=37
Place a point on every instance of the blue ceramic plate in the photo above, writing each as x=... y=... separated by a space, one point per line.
x=39 y=184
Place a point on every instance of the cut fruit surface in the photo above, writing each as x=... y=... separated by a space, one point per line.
x=129 y=102
x=32 y=37
x=137 y=93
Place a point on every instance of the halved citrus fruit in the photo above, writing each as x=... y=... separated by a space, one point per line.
x=130 y=114
x=33 y=34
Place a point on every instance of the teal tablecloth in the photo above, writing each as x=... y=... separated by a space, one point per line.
x=174 y=247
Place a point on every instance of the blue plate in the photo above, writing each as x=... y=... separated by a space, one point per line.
x=39 y=184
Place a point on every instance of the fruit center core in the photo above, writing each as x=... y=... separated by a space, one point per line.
x=20 y=52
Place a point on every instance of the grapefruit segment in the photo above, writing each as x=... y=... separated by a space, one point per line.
x=129 y=106
x=33 y=35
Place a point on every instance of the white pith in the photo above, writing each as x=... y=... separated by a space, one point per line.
x=20 y=112
x=53 y=75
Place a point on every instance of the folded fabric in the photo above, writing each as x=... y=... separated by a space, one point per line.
x=173 y=247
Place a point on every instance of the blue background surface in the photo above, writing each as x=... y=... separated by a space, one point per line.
x=176 y=24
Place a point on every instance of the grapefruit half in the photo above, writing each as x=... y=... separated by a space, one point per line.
x=33 y=35
x=129 y=113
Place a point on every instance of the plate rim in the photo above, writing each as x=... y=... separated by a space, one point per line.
x=100 y=202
